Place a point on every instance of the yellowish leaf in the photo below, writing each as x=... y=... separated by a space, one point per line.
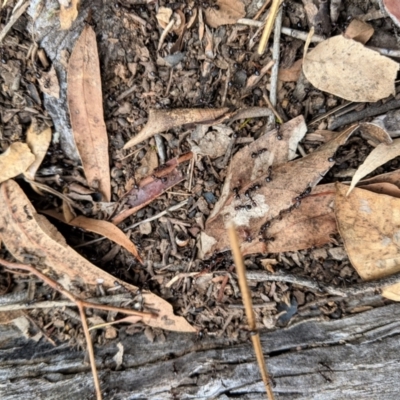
x=15 y=160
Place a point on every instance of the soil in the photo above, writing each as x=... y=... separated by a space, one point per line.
x=137 y=77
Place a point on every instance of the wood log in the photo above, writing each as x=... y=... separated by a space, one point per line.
x=351 y=358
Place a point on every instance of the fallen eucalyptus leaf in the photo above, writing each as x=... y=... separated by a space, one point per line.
x=85 y=104
x=15 y=160
x=226 y=12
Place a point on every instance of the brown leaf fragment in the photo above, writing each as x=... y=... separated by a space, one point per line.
x=38 y=141
x=280 y=190
x=23 y=237
x=291 y=74
x=104 y=228
x=392 y=7
x=226 y=12
x=86 y=112
x=369 y=225
x=359 y=31
x=15 y=160
x=162 y=120
x=347 y=69
x=68 y=13
x=48 y=83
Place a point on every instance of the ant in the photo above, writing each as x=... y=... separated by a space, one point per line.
x=163 y=179
x=267 y=239
x=264 y=227
x=269 y=178
x=248 y=237
x=278 y=133
x=257 y=153
x=303 y=194
x=46 y=83
x=246 y=207
x=235 y=190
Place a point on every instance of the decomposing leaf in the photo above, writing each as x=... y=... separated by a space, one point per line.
x=68 y=13
x=24 y=237
x=226 y=12
x=86 y=112
x=359 y=31
x=48 y=83
x=369 y=225
x=162 y=120
x=15 y=160
x=291 y=74
x=103 y=228
x=152 y=187
x=38 y=141
x=163 y=16
x=348 y=69
x=267 y=196
x=378 y=156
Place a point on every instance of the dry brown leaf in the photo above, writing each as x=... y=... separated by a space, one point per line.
x=86 y=112
x=378 y=156
x=163 y=16
x=104 y=228
x=162 y=120
x=382 y=188
x=291 y=74
x=227 y=12
x=68 y=14
x=359 y=31
x=147 y=164
x=347 y=69
x=286 y=182
x=15 y=160
x=48 y=83
x=369 y=225
x=38 y=141
x=22 y=236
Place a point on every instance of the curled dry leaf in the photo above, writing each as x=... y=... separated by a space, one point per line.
x=68 y=13
x=85 y=104
x=15 y=160
x=48 y=83
x=38 y=141
x=359 y=31
x=20 y=225
x=227 y=12
x=369 y=225
x=378 y=156
x=267 y=197
x=347 y=69
x=104 y=228
x=162 y=120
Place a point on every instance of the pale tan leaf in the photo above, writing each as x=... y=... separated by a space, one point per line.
x=15 y=160
x=378 y=156
x=68 y=14
x=369 y=225
x=226 y=12
x=18 y=219
x=162 y=120
x=103 y=228
x=291 y=74
x=359 y=31
x=163 y=16
x=347 y=69
x=86 y=112
x=48 y=83
x=38 y=141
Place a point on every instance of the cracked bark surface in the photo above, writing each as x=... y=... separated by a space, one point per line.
x=354 y=358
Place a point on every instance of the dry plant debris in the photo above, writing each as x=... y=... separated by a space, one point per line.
x=187 y=142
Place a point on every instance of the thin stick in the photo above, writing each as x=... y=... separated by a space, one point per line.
x=244 y=288
x=90 y=350
x=165 y=32
x=268 y=26
x=275 y=56
x=262 y=9
x=14 y=18
x=266 y=99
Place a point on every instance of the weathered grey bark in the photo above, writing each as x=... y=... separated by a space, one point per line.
x=352 y=358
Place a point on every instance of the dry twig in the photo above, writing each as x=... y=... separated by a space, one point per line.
x=268 y=26
x=246 y=296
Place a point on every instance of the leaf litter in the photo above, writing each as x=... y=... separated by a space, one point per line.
x=256 y=151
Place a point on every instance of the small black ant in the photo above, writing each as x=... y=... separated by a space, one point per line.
x=302 y=195
x=278 y=133
x=46 y=83
x=257 y=153
x=264 y=227
x=269 y=178
x=267 y=239
x=246 y=207
x=235 y=190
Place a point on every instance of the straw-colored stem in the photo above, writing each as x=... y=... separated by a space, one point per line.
x=268 y=26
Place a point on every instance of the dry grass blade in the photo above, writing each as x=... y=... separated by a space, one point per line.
x=85 y=104
x=268 y=26
x=244 y=288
